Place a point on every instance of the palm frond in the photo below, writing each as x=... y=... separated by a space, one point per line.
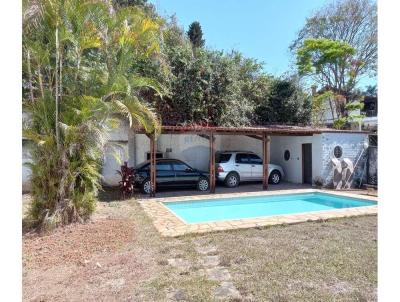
x=143 y=115
x=138 y=82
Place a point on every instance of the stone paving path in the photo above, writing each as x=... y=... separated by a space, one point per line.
x=179 y=263
x=182 y=265
x=211 y=262
x=212 y=269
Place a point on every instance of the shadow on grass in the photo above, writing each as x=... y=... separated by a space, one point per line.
x=110 y=194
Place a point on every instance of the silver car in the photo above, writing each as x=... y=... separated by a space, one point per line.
x=232 y=167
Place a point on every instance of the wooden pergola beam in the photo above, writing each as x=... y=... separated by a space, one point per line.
x=203 y=136
x=212 y=162
x=153 y=165
x=251 y=134
x=265 y=142
x=255 y=130
x=259 y=137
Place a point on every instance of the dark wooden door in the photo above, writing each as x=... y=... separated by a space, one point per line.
x=307 y=163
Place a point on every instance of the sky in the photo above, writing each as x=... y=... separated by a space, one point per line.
x=260 y=29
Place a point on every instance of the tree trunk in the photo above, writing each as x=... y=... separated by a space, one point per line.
x=30 y=75
x=56 y=96
x=40 y=81
x=60 y=77
x=332 y=111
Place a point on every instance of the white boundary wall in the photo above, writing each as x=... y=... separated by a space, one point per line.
x=26 y=171
x=194 y=150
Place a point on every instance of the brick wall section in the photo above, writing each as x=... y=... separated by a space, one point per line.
x=353 y=147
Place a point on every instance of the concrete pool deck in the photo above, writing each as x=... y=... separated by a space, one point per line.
x=169 y=225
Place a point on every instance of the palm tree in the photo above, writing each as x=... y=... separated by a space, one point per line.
x=77 y=84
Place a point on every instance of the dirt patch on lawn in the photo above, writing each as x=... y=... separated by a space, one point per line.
x=76 y=243
x=96 y=261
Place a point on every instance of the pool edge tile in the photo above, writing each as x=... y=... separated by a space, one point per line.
x=170 y=225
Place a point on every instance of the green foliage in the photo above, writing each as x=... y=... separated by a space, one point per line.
x=284 y=103
x=225 y=89
x=325 y=59
x=319 y=102
x=209 y=88
x=353 y=22
x=78 y=78
x=356 y=105
x=195 y=34
x=320 y=105
x=316 y=54
x=339 y=123
x=125 y=3
x=353 y=108
x=329 y=59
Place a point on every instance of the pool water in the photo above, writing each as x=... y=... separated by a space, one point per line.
x=260 y=206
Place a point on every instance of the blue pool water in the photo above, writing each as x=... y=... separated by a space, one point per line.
x=260 y=206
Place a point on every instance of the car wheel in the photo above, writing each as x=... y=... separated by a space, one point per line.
x=232 y=180
x=203 y=184
x=146 y=186
x=275 y=177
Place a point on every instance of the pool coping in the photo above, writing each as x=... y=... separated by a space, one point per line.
x=170 y=225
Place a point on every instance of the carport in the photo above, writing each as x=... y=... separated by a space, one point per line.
x=261 y=133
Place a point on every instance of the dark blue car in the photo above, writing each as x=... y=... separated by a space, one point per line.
x=170 y=173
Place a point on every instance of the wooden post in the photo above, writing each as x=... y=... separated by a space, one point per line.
x=265 y=161
x=153 y=165
x=212 y=163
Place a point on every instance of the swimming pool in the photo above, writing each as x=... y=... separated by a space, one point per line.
x=210 y=210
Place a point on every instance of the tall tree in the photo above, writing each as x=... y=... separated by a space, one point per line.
x=195 y=34
x=330 y=63
x=77 y=78
x=285 y=102
x=350 y=21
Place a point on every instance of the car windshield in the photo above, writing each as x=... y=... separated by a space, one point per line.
x=221 y=158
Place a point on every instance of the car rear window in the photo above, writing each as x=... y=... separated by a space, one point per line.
x=221 y=158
